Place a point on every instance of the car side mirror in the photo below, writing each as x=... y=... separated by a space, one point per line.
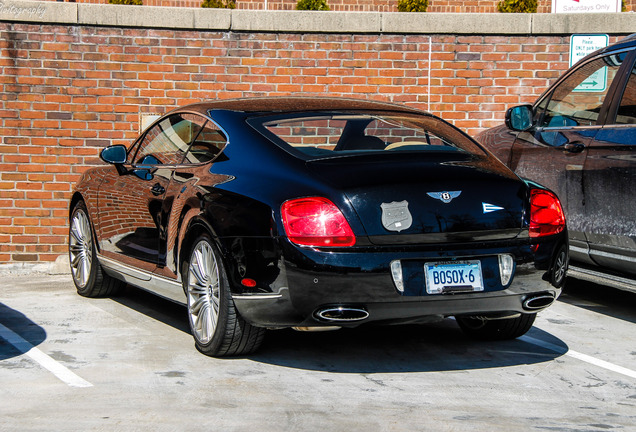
x=519 y=118
x=114 y=154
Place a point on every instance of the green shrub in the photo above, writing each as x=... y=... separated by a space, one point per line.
x=126 y=2
x=219 y=4
x=318 y=5
x=412 y=5
x=623 y=7
x=518 y=6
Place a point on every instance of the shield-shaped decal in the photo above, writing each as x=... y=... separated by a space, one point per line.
x=396 y=216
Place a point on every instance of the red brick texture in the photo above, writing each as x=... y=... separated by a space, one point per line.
x=68 y=91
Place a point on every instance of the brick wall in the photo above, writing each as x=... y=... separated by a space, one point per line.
x=67 y=91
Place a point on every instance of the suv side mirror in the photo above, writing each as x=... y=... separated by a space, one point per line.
x=114 y=154
x=519 y=118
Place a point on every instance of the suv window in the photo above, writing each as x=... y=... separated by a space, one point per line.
x=627 y=109
x=577 y=101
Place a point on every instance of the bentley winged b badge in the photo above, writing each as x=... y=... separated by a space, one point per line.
x=444 y=197
x=396 y=216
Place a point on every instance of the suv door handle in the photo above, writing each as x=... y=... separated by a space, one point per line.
x=574 y=147
x=157 y=189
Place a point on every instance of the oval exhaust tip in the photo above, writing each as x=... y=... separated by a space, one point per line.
x=538 y=302
x=342 y=314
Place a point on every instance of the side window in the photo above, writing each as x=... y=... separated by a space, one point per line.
x=577 y=101
x=207 y=145
x=167 y=141
x=627 y=110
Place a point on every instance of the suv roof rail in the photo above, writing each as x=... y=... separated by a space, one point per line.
x=629 y=38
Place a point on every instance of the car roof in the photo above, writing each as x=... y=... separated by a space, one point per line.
x=295 y=104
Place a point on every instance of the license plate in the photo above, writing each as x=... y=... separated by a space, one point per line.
x=453 y=277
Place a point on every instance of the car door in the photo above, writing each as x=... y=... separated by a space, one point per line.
x=566 y=120
x=191 y=181
x=130 y=202
x=610 y=178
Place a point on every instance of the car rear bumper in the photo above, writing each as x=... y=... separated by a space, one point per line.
x=311 y=281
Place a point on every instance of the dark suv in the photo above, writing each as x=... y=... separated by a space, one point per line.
x=579 y=139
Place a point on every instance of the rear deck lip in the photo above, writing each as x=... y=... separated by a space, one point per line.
x=447 y=237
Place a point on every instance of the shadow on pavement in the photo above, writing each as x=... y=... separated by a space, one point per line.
x=410 y=348
x=155 y=307
x=601 y=299
x=402 y=348
x=16 y=322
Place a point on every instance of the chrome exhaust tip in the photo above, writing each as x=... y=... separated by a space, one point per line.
x=341 y=314
x=537 y=302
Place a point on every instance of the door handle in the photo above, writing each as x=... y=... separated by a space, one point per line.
x=157 y=189
x=574 y=147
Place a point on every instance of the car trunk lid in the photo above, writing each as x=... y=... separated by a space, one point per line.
x=435 y=198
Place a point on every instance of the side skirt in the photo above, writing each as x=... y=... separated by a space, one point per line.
x=600 y=278
x=166 y=288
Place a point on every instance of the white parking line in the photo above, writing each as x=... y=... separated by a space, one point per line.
x=579 y=356
x=44 y=360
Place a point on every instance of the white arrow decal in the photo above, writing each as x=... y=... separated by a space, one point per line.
x=490 y=207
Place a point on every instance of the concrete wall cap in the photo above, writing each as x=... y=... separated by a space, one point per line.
x=38 y=11
x=306 y=21
x=212 y=19
x=612 y=23
x=456 y=23
x=314 y=21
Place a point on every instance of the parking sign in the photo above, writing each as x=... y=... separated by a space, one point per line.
x=585 y=6
x=582 y=45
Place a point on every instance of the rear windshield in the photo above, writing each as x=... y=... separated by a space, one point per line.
x=323 y=135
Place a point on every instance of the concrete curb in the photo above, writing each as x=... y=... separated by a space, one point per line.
x=59 y=267
x=315 y=22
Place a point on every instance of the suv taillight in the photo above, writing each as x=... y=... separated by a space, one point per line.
x=316 y=221
x=546 y=214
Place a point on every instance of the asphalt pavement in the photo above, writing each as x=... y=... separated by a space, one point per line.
x=128 y=363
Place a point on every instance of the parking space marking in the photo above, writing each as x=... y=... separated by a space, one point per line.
x=580 y=356
x=42 y=359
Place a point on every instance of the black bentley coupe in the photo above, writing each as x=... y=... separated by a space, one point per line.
x=314 y=213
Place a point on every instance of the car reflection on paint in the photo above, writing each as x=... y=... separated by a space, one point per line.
x=316 y=213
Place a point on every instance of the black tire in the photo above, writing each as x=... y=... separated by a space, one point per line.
x=216 y=326
x=88 y=275
x=498 y=329
x=559 y=269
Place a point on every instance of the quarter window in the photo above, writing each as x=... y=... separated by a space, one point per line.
x=167 y=141
x=207 y=145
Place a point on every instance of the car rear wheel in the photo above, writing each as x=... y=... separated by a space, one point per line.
x=560 y=267
x=88 y=276
x=217 y=327
x=496 y=329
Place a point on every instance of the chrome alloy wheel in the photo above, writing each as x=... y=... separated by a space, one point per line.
x=80 y=248
x=203 y=292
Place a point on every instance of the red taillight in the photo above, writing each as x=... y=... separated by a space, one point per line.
x=316 y=221
x=546 y=214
